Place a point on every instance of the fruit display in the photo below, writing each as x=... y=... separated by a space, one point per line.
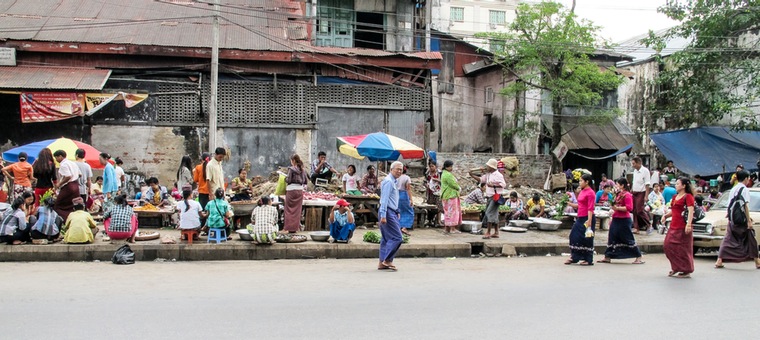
x=473 y=208
x=147 y=207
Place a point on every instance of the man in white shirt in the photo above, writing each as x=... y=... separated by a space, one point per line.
x=215 y=172
x=68 y=185
x=640 y=190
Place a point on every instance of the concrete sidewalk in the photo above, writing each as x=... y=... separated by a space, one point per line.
x=426 y=242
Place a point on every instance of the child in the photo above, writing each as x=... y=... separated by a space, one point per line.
x=48 y=225
x=80 y=227
x=351 y=181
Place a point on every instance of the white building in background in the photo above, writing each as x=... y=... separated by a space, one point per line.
x=464 y=18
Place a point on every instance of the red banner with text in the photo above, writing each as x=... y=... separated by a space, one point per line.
x=51 y=106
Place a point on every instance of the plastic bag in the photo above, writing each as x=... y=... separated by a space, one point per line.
x=281 y=186
x=123 y=255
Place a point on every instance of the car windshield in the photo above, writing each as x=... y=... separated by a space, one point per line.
x=754 y=201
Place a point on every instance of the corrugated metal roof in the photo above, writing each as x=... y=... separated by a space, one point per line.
x=52 y=78
x=579 y=135
x=267 y=25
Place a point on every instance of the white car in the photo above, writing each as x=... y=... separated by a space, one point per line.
x=709 y=231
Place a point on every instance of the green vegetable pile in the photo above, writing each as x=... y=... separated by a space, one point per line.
x=374 y=237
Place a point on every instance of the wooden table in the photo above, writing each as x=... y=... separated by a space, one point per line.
x=317 y=212
x=364 y=206
x=154 y=218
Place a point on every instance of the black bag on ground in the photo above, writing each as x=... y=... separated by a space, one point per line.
x=736 y=209
x=123 y=255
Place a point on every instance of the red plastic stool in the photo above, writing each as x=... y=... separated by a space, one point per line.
x=189 y=234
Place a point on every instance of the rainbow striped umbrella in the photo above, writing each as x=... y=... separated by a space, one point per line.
x=65 y=144
x=378 y=146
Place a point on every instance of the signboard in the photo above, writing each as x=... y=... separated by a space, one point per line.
x=7 y=56
x=560 y=151
x=96 y=101
x=50 y=106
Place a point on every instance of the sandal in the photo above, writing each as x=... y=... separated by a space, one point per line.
x=486 y=236
x=495 y=236
x=671 y=273
x=683 y=276
x=604 y=261
x=568 y=262
x=719 y=266
x=584 y=263
x=638 y=262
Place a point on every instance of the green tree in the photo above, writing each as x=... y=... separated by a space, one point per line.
x=717 y=73
x=547 y=47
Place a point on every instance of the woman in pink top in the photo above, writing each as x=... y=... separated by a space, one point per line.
x=620 y=243
x=582 y=235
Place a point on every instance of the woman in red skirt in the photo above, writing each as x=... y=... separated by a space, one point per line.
x=679 y=242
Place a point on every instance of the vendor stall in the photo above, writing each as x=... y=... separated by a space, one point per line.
x=364 y=206
x=158 y=218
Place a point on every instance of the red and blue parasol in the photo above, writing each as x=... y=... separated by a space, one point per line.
x=378 y=146
x=65 y=144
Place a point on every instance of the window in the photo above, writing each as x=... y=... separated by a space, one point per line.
x=497 y=17
x=496 y=46
x=489 y=94
x=457 y=14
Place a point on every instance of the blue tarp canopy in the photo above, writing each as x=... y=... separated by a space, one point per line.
x=709 y=150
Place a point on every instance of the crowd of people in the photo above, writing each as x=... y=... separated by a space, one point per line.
x=51 y=204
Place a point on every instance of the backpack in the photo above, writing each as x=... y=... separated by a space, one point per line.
x=736 y=209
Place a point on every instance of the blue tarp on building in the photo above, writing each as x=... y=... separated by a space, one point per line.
x=709 y=150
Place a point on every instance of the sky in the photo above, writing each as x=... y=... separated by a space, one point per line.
x=621 y=20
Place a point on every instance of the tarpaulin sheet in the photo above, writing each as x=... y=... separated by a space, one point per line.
x=626 y=148
x=709 y=150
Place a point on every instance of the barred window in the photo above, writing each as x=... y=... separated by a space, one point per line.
x=457 y=14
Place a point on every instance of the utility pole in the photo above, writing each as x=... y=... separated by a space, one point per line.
x=212 y=105
x=428 y=20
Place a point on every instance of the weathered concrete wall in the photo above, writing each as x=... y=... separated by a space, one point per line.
x=635 y=97
x=153 y=151
x=470 y=122
x=533 y=168
x=266 y=149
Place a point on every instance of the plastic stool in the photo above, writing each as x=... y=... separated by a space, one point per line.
x=220 y=235
x=189 y=234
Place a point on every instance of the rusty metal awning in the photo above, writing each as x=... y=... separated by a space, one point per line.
x=52 y=78
x=578 y=135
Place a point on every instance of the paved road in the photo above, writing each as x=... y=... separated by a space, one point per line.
x=521 y=298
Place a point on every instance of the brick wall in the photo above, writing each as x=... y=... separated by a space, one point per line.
x=533 y=168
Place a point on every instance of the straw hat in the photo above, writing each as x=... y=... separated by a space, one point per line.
x=492 y=163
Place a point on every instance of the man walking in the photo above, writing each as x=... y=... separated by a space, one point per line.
x=215 y=172
x=389 y=218
x=640 y=190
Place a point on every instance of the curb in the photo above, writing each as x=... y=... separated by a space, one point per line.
x=227 y=252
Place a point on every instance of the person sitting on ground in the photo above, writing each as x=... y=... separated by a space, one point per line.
x=241 y=186
x=516 y=208
x=535 y=206
x=156 y=194
x=79 y=227
x=572 y=201
x=476 y=196
x=120 y=221
x=14 y=227
x=216 y=211
x=351 y=181
x=368 y=184
x=342 y=222
x=190 y=211
x=605 y=182
x=604 y=196
x=48 y=225
x=263 y=227
x=701 y=182
x=97 y=196
x=321 y=169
